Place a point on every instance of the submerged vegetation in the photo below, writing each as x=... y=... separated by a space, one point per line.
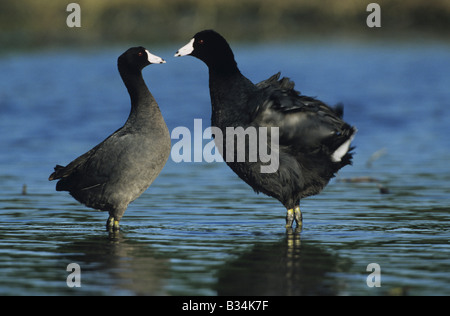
x=42 y=23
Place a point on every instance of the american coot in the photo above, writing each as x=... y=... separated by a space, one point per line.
x=118 y=170
x=314 y=141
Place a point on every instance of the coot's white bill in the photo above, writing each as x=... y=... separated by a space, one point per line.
x=186 y=50
x=153 y=59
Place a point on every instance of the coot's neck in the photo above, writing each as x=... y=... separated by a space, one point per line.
x=225 y=67
x=221 y=60
x=228 y=89
x=139 y=94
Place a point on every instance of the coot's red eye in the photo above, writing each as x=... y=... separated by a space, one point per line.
x=140 y=54
x=200 y=41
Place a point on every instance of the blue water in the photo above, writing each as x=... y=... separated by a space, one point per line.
x=199 y=230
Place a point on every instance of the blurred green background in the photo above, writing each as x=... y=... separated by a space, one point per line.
x=30 y=23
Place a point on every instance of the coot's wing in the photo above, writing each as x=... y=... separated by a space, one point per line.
x=61 y=171
x=275 y=82
x=89 y=170
x=305 y=123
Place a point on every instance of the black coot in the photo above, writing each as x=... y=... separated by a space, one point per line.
x=118 y=170
x=313 y=140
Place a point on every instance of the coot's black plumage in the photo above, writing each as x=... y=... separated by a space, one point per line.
x=314 y=141
x=117 y=171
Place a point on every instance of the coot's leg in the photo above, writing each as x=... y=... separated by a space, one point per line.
x=298 y=216
x=112 y=224
x=116 y=225
x=289 y=218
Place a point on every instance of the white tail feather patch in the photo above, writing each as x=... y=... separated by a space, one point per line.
x=342 y=150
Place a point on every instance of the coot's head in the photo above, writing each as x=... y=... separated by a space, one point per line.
x=210 y=47
x=137 y=58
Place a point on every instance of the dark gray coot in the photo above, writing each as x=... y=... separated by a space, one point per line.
x=118 y=170
x=314 y=141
